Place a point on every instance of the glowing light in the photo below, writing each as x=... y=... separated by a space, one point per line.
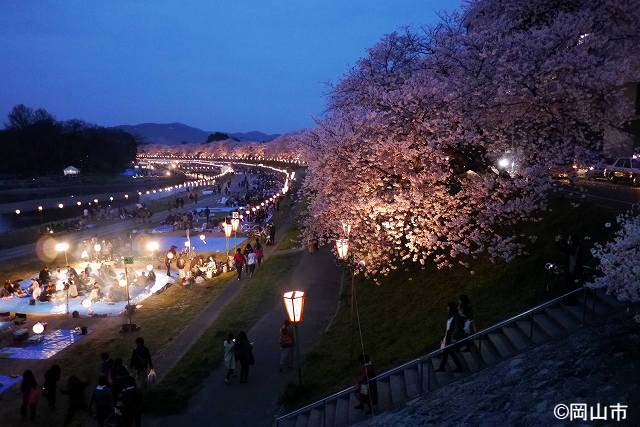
x=78 y=203
x=122 y=282
x=62 y=247
x=40 y=208
x=504 y=163
x=60 y=205
x=342 y=246
x=153 y=246
x=84 y=254
x=170 y=254
x=227 y=229
x=38 y=328
x=95 y=200
x=294 y=304
x=86 y=303
x=149 y=267
x=17 y=211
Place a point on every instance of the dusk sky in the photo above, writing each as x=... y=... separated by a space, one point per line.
x=219 y=65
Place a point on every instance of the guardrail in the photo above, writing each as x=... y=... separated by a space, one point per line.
x=423 y=366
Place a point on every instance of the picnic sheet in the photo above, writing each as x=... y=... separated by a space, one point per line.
x=52 y=343
x=6 y=382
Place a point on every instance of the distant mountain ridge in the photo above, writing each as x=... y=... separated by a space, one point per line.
x=179 y=133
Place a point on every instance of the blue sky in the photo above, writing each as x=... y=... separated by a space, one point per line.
x=233 y=65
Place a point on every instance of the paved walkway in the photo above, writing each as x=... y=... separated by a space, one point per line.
x=255 y=403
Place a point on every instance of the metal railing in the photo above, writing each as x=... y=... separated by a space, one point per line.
x=425 y=385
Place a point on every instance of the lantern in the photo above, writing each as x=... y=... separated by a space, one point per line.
x=235 y=223
x=170 y=254
x=153 y=246
x=60 y=205
x=149 y=267
x=40 y=208
x=203 y=237
x=122 y=283
x=38 y=328
x=228 y=228
x=294 y=304
x=17 y=211
x=342 y=246
x=97 y=247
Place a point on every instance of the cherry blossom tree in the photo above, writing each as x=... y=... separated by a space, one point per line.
x=619 y=260
x=408 y=150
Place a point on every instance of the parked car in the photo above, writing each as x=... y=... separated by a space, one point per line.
x=624 y=169
x=564 y=172
x=596 y=171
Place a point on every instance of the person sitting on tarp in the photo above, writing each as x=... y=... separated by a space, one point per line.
x=72 y=290
x=151 y=279
x=45 y=275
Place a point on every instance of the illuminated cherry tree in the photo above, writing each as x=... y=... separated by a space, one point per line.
x=408 y=152
x=619 y=260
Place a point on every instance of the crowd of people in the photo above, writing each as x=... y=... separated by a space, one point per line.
x=248 y=259
x=115 y=400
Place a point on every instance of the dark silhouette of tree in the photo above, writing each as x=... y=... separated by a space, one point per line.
x=34 y=143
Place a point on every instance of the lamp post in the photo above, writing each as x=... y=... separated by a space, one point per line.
x=63 y=247
x=228 y=228
x=342 y=247
x=294 y=304
x=235 y=223
x=152 y=247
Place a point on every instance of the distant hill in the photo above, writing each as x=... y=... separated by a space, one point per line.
x=179 y=133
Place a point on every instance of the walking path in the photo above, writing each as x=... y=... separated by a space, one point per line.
x=256 y=403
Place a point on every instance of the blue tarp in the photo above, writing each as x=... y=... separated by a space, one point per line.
x=7 y=382
x=52 y=343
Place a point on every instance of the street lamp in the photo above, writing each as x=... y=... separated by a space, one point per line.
x=294 y=304
x=235 y=224
x=228 y=228
x=342 y=246
x=63 y=247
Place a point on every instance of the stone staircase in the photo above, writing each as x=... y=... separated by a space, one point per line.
x=551 y=320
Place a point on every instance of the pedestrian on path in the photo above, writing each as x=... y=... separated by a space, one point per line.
x=229 y=357
x=259 y=253
x=287 y=343
x=51 y=378
x=102 y=398
x=247 y=250
x=141 y=361
x=238 y=262
x=30 y=395
x=244 y=354
x=454 y=332
x=75 y=391
x=367 y=389
x=252 y=259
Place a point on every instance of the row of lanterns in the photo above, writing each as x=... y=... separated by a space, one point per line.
x=296 y=161
x=197 y=183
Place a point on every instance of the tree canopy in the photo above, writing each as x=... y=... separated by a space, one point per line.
x=34 y=143
x=408 y=151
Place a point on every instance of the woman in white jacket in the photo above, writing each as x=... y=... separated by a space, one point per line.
x=229 y=357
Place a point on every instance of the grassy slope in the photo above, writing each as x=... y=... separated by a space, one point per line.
x=405 y=316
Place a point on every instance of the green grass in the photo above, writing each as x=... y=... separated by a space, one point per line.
x=184 y=380
x=161 y=318
x=404 y=317
x=290 y=239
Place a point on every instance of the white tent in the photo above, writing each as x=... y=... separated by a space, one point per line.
x=71 y=170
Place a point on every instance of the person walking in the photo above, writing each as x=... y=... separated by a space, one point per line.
x=141 y=361
x=75 y=391
x=454 y=332
x=229 y=357
x=30 y=395
x=238 y=262
x=244 y=354
x=51 y=378
x=367 y=389
x=247 y=250
x=102 y=398
x=207 y=214
x=259 y=253
x=252 y=259
x=287 y=342
x=130 y=403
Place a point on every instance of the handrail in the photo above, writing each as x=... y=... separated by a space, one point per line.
x=437 y=352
